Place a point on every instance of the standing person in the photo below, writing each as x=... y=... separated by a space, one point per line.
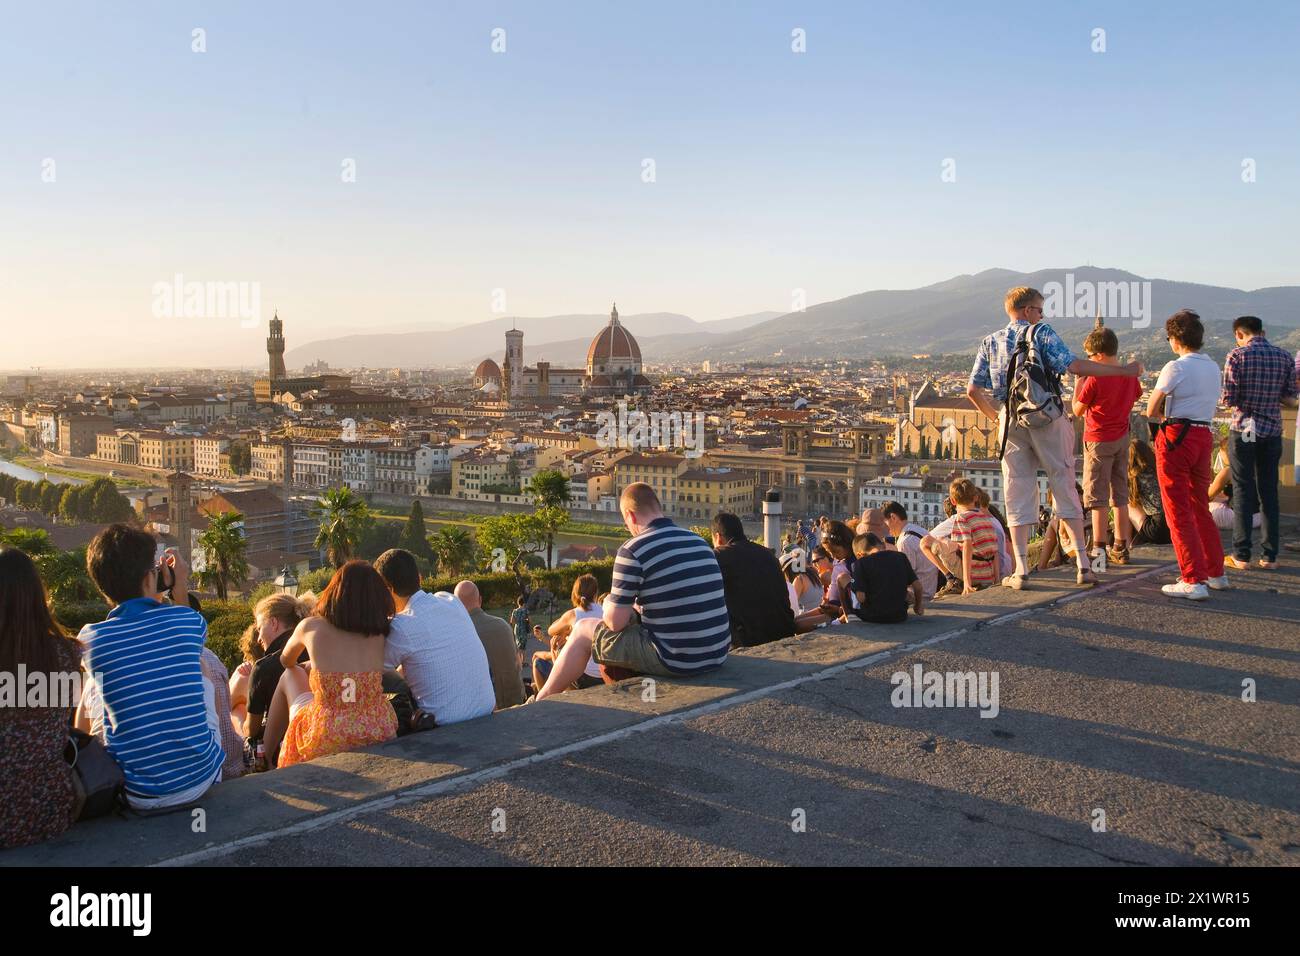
x=522 y=627
x=433 y=643
x=1184 y=401
x=35 y=781
x=908 y=537
x=1105 y=405
x=757 y=598
x=159 y=711
x=499 y=643
x=1027 y=450
x=669 y=577
x=1258 y=379
x=337 y=702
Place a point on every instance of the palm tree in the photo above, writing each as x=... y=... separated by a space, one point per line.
x=550 y=491
x=454 y=548
x=65 y=575
x=342 y=515
x=224 y=547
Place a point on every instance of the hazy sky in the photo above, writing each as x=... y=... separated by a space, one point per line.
x=524 y=170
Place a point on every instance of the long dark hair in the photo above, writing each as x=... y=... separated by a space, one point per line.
x=357 y=600
x=1141 y=460
x=29 y=635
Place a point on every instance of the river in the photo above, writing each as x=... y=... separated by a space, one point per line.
x=26 y=474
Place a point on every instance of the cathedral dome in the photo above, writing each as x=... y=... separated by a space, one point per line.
x=487 y=371
x=613 y=346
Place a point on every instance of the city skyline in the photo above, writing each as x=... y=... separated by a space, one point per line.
x=791 y=150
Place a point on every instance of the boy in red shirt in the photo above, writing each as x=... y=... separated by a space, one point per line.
x=1105 y=404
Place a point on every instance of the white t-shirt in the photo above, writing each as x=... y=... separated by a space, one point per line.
x=1192 y=384
x=595 y=611
x=434 y=642
x=910 y=544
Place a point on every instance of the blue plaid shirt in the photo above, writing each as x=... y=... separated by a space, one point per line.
x=1255 y=379
x=994 y=356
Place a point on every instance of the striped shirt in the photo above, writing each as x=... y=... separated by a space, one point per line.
x=975 y=530
x=155 y=720
x=672 y=573
x=1256 y=377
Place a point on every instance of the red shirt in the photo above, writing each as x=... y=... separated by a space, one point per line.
x=1110 y=401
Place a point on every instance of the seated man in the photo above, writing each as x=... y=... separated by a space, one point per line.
x=499 y=643
x=435 y=646
x=883 y=582
x=159 y=712
x=671 y=576
x=908 y=538
x=758 y=601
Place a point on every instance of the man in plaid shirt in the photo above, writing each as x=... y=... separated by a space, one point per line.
x=1258 y=379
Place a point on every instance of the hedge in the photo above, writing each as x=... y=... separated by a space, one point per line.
x=227 y=621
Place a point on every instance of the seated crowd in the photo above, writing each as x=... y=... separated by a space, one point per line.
x=323 y=675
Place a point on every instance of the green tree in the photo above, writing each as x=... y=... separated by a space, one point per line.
x=68 y=504
x=225 y=550
x=27 y=495
x=414 y=537
x=35 y=541
x=241 y=458
x=108 y=505
x=550 y=521
x=550 y=488
x=66 y=577
x=454 y=549
x=343 y=516
x=51 y=495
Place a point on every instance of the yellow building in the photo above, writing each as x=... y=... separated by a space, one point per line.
x=660 y=472
x=935 y=421
x=703 y=492
x=473 y=472
x=166 y=452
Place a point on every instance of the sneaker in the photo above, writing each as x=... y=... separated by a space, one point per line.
x=951 y=586
x=1267 y=565
x=1218 y=584
x=1016 y=582
x=1088 y=578
x=1119 y=554
x=1193 y=592
x=1232 y=561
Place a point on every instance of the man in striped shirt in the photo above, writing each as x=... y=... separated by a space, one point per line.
x=669 y=577
x=159 y=711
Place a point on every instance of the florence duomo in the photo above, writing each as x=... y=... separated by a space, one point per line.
x=613 y=368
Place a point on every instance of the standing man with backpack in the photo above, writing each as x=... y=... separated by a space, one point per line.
x=1016 y=380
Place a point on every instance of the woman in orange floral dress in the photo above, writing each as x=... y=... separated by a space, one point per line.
x=337 y=702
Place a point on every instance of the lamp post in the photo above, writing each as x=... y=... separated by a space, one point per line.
x=286 y=582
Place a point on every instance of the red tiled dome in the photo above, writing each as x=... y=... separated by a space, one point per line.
x=613 y=344
x=487 y=370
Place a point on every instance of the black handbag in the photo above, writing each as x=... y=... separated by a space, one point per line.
x=97 y=780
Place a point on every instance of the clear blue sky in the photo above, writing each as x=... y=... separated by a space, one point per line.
x=522 y=170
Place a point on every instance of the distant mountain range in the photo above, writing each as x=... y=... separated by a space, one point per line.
x=559 y=339
x=949 y=316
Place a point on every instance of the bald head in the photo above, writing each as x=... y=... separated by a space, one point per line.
x=467 y=593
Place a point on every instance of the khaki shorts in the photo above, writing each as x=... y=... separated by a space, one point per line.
x=1105 y=473
x=1029 y=450
x=630 y=649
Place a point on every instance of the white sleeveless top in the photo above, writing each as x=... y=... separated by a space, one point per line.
x=592 y=669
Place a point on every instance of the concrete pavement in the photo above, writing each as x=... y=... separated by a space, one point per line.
x=1119 y=701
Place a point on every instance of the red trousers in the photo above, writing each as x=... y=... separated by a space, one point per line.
x=1184 y=474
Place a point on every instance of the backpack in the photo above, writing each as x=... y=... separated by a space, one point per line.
x=1033 y=390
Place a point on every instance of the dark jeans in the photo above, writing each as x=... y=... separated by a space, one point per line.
x=1254 y=488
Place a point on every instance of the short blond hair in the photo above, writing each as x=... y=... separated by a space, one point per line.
x=963 y=492
x=640 y=498
x=1019 y=297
